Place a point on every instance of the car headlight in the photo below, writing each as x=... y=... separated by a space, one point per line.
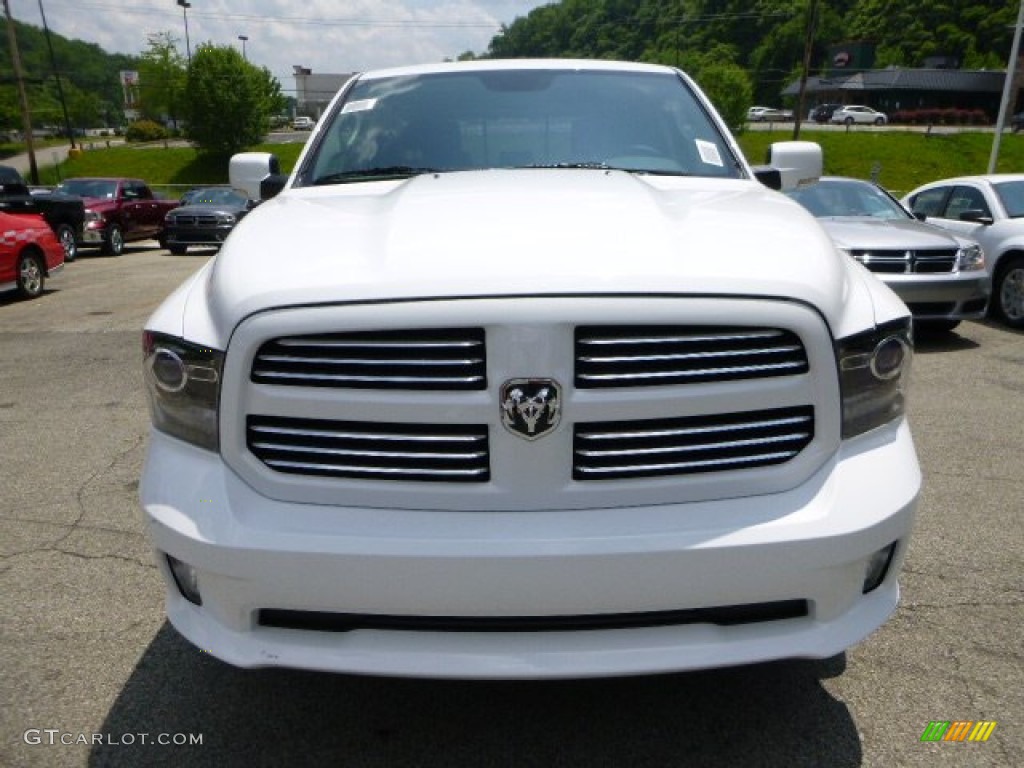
x=183 y=385
x=91 y=215
x=874 y=373
x=970 y=258
x=226 y=218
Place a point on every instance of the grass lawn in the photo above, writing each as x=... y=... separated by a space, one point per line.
x=898 y=160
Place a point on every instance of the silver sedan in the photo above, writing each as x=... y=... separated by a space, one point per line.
x=940 y=276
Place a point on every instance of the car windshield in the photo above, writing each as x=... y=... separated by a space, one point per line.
x=395 y=127
x=833 y=197
x=102 y=188
x=1011 y=193
x=213 y=196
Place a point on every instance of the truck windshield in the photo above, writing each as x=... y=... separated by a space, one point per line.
x=392 y=127
x=101 y=188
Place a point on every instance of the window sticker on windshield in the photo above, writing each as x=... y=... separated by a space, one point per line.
x=708 y=152
x=359 y=106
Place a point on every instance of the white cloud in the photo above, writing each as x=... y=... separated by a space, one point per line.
x=324 y=35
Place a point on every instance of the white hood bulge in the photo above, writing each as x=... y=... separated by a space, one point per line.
x=523 y=232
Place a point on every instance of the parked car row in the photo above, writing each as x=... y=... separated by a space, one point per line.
x=951 y=249
x=768 y=114
x=102 y=213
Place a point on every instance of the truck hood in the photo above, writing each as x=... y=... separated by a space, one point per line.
x=523 y=232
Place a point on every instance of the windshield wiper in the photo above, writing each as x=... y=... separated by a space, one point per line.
x=364 y=174
x=591 y=164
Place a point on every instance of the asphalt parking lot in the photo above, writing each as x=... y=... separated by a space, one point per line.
x=89 y=659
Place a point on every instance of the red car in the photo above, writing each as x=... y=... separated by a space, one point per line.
x=29 y=253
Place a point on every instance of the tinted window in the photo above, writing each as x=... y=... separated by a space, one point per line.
x=519 y=119
x=930 y=202
x=1011 y=193
x=965 y=199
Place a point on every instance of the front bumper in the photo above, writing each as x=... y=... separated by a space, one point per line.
x=958 y=296
x=196 y=236
x=811 y=543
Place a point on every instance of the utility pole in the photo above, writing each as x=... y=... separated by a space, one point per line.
x=26 y=118
x=56 y=74
x=812 y=20
x=1008 y=90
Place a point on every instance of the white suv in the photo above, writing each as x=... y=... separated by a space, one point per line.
x=523 y=373
x=854 y=113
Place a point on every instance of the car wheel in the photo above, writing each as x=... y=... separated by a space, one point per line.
x=114 y=244
x=31 y=274
x=178 y=250
x=848 y=121
x=66 y=236
x=1007 y=303
x=879 y=121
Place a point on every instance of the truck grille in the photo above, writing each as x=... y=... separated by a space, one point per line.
x=900 y=262
x=371 y=450
x=655 y=448
x=435 y=359
x=639 y=356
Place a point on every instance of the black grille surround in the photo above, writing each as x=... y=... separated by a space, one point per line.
x=453 y=453
x=905 y=262
x=424 y=359
x=725 y=615
x=616 y=450
x=655 y=356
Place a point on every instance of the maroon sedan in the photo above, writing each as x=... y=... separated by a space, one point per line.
x=29 y=253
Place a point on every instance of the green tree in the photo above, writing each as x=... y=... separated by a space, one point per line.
x=729 y=89
x=228 y=101
x=162 y=76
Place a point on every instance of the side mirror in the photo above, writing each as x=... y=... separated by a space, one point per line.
x=248 y=170
x=976 y=215
x=791 y=164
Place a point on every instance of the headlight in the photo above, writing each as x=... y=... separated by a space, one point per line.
x=183 y=384
x=874 y=372
x=970 y=258
x=226 y=218
x=91 y=215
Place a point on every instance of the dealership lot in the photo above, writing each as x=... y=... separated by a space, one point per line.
x=88 y=658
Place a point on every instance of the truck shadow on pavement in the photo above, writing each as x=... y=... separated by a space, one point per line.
x=776 y=714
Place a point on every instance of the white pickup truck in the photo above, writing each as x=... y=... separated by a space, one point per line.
x=524 y=372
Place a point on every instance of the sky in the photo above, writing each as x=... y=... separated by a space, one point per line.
x=327 y=36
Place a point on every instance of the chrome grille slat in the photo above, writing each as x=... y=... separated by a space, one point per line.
x=441 y=359
x=371 y=450
x=896 y=262
x=701 y=430
x=707 y=443
x=625 y=356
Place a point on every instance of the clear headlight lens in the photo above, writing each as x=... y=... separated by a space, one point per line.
x=874 y=373
x=91 y=215
x=183 y=384
x=970 y=258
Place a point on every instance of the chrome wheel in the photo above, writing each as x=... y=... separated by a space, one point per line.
x=66 y=235
x=30 y=275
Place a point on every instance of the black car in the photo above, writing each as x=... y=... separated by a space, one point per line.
x=1017 y=122
x=823 y=112
x=206 y=216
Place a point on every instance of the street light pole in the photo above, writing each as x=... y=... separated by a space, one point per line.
x=1008 y=94
x=244 y=38
x=185 y=5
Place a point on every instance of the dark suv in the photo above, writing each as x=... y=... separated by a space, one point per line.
x=823 y=112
